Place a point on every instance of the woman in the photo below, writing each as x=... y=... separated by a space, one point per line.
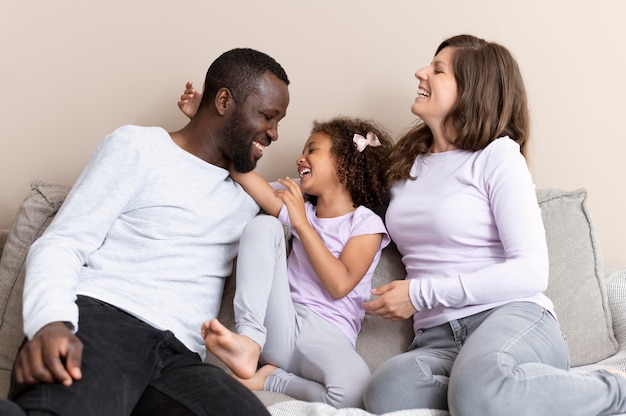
x=465 y=218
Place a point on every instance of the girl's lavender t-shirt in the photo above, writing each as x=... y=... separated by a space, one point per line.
x=346 y=313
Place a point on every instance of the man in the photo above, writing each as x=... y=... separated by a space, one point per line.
x=117 y=288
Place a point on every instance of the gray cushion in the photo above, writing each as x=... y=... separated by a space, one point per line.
x=381 y=339
x=33 y=216
x=3 y=239
x=576 y=279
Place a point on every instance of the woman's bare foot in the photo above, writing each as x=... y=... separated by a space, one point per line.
x=616 y=371
x=256 y=382
x=238 y=352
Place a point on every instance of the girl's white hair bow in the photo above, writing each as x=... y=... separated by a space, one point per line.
x=361 y=142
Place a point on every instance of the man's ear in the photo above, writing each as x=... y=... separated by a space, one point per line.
x=223 y=101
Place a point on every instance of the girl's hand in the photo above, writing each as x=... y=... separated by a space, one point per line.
x=294 y=201
x=189 y=100
x=393 y=302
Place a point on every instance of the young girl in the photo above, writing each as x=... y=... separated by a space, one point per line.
x=302 y=314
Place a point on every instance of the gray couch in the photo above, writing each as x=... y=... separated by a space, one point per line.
x=590 y=300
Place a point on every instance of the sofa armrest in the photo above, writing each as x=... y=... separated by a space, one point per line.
x=616 y=293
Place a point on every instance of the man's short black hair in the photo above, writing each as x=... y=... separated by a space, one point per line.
x=239 y=70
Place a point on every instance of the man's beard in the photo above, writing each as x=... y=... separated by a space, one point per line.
x=238 y=146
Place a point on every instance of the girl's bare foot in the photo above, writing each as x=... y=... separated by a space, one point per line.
x=256 y=382
x=238 y=352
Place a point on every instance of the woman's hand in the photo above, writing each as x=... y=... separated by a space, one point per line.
x=393 y=302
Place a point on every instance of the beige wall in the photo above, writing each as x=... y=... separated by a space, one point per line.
x=72 y=71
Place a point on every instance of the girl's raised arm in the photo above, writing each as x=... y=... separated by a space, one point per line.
x=260 y=190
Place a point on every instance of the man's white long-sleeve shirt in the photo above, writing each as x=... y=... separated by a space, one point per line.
x=148 y=228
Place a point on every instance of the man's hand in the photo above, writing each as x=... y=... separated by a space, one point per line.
x=393 y=302
x=53 y=355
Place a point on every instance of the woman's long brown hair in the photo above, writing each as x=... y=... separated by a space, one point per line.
x=491 y=103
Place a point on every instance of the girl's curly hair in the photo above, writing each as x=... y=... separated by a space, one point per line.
x=364 y=173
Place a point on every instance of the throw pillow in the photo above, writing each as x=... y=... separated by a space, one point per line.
x=381 y=339
x=3 y=240
x=33 y=216
x=577 y=285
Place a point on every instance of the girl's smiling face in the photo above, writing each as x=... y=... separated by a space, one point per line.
x=317 y=167
x=437 y=92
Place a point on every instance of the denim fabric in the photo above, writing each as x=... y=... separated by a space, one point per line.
x=508 y=360
x=122 y=357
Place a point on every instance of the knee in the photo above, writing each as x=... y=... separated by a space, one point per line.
x=9 y=408
x=406 y=382
x=471 y=394
x=463 y=397
x=263 y=225
x=384 y=390
x=374 y=392
x=347 y=396
x=350 y=393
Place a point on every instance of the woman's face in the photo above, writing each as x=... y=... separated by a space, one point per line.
x=437 y=91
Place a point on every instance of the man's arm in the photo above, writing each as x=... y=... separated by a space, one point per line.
x=54 y=262
x=53 y=355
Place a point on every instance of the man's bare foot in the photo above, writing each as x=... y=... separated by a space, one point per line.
x=238 y=352
x=257 y=381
